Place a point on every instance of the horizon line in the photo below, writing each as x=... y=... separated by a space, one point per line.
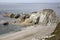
x=31 y=2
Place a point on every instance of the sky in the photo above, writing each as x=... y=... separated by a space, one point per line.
x=29 y=1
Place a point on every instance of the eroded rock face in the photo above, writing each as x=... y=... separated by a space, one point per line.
x=34 y=18
x=57 y=30
x=47 y=16
x=44 y=17
x=11 y=15
x=34 y=12
x=27 y=22
x=5 y=23
x=23 y=19
x=26 y=16
x=17 y=16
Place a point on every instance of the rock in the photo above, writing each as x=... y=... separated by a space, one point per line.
x=8 y=15
x=23 y=17
x=19 y=20
x=17 y=16
x=44 y=17
x=27 y=22
x=34 y=12
x=4 y=22
x=47 y=16
x=34 y=18
x=26 y=16
x=57 y=30
x=11 y=15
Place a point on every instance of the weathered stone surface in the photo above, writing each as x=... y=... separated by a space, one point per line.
x=44 y=17
x=4 y=23
x=27 y=22
x=37 y=32
x=17 y=16
x=57 y=30
x=23 y=17
x=34 y=12
x=34 y=18
x=47 y=16
x=8 y=15
x=19 y=20
x=26 y=15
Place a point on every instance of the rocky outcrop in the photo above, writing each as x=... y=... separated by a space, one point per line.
x=27 y=19
x=17 y=16
x=25 y=16
x=22 y=20
x=27 y=22
x=57 y=30
x=44 y=17
x=11 y=15
x=35 y=18
x=34 y=12
x=47 y=16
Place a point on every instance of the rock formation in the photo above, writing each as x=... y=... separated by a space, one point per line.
x=46 y=17
x=4 y=23
x=34 y=18
x=11 y=15
x=26 y=16
x=34 y=12
x=17 y=16
x=43 y=17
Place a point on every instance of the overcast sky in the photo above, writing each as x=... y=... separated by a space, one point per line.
x=30 y=1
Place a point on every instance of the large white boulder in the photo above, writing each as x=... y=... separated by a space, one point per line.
x=47 y=16
x=34 y=17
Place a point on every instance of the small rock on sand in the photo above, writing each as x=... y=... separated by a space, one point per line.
x=4 y=23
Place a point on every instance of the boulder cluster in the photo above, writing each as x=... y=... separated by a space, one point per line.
x=39 y=21
x=11 y=15
x=43 y=17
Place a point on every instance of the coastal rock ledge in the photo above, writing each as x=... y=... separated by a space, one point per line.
x=40 y=26
x=43 y=17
